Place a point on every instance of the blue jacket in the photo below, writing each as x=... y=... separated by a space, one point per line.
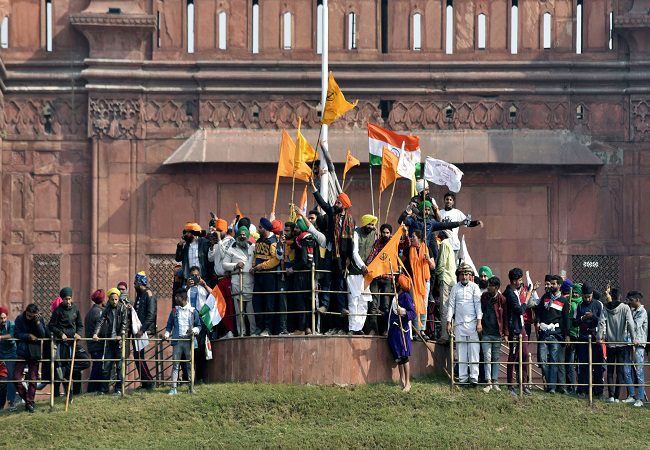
x=28 y=349
x=8 y=348
x=173 y=327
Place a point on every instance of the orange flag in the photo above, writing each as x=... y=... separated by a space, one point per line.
x=386 y=259
x=238 y=211
x=350 y=162
x=304 y=151
x=389 y=162
x=286 y=166
x=303 y=201
x=335 y=103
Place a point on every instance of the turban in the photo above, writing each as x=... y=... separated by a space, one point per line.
x=65 y=292
x=193 y=227
x=266 y=224
x=368 y=219
x=587 y=289
x=56 y=302
x=277 y=226
x=98 y=296
x=112 y=291
x=344 y=199
x=577 y=288
x=302 y=225
x=404 y=282
x=464 y=268
x=4 y=310
x=244 y=222
x=123 y=283
x=141 y=278
x=221 y=225
x=424 y=204
x=566 y=286
x=244 y=230
x=485 y=270
x=420 y=185
x=548 y=278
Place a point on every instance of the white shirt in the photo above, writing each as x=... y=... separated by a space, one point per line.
x=185 y=320
x=193 y=255
x=218 y=252
x=464 y=304
x=453 y=215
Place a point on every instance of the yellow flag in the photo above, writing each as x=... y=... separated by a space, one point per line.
x=350 y=162
x=304 y=151
x=389 y=161
x=335 y=104
x=386 y=259
x=287 y=165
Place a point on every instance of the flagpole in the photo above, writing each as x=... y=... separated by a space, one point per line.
x=324 y=178
x=275 y=192
x=372 y=191
x=390 y=199
x=379 y=208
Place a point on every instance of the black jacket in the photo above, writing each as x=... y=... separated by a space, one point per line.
x=146 y=307
x=90 y=322
x=104 y=326
x=182 y=255
x=66 y=321
x=27 y=348
x=514 y=310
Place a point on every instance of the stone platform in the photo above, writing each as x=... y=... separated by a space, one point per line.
x=316 y=360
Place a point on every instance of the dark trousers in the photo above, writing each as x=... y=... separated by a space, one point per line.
x=199 y=356
x=616 y=355
x=379 y=303
x=513 y=357
x=582 y=353
x=32 y=375
x=264 y=303
x=284 y=303
x=112 y=350
x=81 y=363
x=95 y=372
x=302 y=300
x=143 y=369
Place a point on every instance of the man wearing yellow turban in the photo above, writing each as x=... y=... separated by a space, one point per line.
x=359 y=297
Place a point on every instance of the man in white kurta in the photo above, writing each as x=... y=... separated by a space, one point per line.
x=359 y=296
x=464 y=316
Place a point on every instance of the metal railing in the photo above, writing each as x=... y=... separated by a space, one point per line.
x=124 y=361
x=519 y=385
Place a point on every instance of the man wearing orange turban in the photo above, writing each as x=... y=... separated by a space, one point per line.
x=192 y=250
x=400 y=316
x=340 y=231
x=221 y=242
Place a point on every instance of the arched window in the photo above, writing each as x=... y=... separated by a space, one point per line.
x=319 y=27
x=4 y=32
x=579 y=6
x=417 y=31
x=449 y=31
x=190 y=26
x=352 y=31
x=547 y=30
x=514 y=27
x=256 y=26
x=48 y=25
x=286 y=30
x=157 y=29
x=481 y=25
x=611 y=28
x=222 y=20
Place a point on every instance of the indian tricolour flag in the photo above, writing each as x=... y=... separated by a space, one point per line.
x=379 y=137
x=214 y=308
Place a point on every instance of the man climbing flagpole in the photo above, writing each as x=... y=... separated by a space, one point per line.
x=324 y=174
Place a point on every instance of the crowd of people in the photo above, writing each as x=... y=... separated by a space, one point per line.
x=268 y=273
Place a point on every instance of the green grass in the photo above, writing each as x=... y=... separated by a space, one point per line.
x=376 y=416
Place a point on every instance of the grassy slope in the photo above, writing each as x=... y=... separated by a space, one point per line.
x=377 y=416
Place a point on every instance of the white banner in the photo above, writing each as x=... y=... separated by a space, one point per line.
x=463 y=255
x=442 y=173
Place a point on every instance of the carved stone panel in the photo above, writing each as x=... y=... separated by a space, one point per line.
x=640 y=119
x=115 y=118
x=44 y=118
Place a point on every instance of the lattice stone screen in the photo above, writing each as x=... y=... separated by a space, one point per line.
x=597 y=270
x=161 y=275
x=46 y=280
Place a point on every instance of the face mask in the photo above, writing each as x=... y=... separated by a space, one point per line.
x=482 y=284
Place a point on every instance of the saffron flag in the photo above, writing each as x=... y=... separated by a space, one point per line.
x=386 y=259
x=303 y=202
x=442 y=173
x=238 y=211
x=350 y=162
x=214 y=308
x=335 y=103
x=304 y=151
x=388 y=169
x=379 y=137
x=287 y=166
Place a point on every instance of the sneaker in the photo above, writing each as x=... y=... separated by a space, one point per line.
x=551 y=391
x=256 y=332
x=638 y=404
x=284 y=333
x=495 y=387
x=29 y=409
x=117 y=393
x=265 y=333
x=40 y=386
x=228 y=335
x=527 y=391
x=341 y=333
x=322 y=310
x=99 y=393
x=308 y=331
x=613 y=400
x=513 y=392
x=487 y=388
x=172 y=391
x=629 y=400
x=331 y=332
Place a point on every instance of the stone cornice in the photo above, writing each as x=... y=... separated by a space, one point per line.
x=113 y=20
